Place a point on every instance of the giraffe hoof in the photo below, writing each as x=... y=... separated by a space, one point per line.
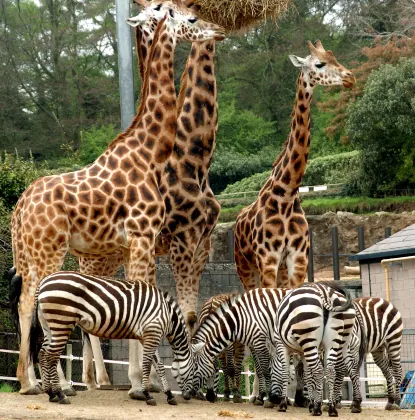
x=69 y=392
x=137 y=395
x=151 y=401
x=172 y=401
x=268 y=404
x=65 y=400
x=32 y=391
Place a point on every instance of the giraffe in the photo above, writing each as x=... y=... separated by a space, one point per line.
x=274 y=228
x=114 y=205
x=191 y=208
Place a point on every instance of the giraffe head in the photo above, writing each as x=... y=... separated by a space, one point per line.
x=322 y=68
x=182 y=19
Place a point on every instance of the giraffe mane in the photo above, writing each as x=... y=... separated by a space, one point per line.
x=138 y=37
x=282 y=153
x=144 y=90
x=183 y=87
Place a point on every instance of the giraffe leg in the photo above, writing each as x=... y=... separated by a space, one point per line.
x=246 y=272
x=297 y=263
x=182 y=256
x=99 y=266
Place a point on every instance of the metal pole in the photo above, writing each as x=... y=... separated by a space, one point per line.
x=335 y=247
x=125 y=63
x=231 y=246
x=68 y=363
x=361 y=238
x=310 y=268
x=388 y=232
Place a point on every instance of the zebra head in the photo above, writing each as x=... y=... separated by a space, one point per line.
x=181 y=371
x=204 y=365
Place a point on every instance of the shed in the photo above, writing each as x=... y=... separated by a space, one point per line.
x=392 y=261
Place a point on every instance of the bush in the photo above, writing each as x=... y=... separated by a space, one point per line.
x=334 y=169
x=16 y=174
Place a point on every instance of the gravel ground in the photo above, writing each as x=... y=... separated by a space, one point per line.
x=114 y=405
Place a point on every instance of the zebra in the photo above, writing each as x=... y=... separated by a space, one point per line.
x=380 y=329
x=309 y=317
x=231 y=359
x=249 y=319
x=111 y=309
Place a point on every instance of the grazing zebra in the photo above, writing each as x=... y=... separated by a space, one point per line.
x=308 y=318
x=231 y=359
x=380 y=329
x=249 y=319
x=109 y=309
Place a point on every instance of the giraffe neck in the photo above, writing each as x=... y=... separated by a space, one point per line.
x=197 y=105
x=155 y=122
x=290 y=166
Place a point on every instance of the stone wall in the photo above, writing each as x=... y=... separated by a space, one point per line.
x=346 y=223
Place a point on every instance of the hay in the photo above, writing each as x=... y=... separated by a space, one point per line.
x=229 y=413
x=238 y=14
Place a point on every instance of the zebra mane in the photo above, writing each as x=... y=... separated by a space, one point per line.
x=224 y=307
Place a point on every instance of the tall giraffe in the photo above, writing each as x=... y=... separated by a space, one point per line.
x=274 y=228
x=113 y=205
x=191 y=208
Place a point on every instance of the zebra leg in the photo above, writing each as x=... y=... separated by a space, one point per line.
x=394 y=356
x=238 y=357
x=379 y=357
x=212 y=383
x=279 y=377
x=315 y=375
x=150 y=344
x=159 y=366
x=88 y=375
x=65 y=385
x=351 y=362
x=261 y=378
x=228 y=371
x=301 y=398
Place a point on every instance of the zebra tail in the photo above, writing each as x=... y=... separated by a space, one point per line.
x=35 y=334
x=341 y=289
x=15 y=287
x=363 y=338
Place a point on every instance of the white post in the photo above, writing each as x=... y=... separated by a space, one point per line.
x=247 y=383
x=69 y=363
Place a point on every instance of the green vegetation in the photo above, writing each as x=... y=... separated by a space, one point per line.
x=316 y=206
x=5 y=388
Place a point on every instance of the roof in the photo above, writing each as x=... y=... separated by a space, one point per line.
x=401 y=244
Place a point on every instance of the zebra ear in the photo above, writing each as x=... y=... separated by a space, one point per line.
x=197 y=347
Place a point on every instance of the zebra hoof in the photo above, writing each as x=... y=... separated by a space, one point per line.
x=283 y=406
x=258 y=402
x=391 y=407
x=151 y=401
x=268 y=404
x=252 y=399
x=200 y=396
x=69 y=392
x=339 y=406
x=356 y=410
x=54 y=399
x=65 y=400
x=210 y=395
x=137 y=395
x=226 y=399
x=317 y=411
x=237 y=399
x=332 y=411
x=172 y=401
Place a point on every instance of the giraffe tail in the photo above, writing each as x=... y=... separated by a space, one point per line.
x=35 y=334
x=15 y=287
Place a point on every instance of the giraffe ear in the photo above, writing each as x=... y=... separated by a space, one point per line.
x=297 y=61
x=134 y=21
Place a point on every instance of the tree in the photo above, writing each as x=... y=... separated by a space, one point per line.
x=382 y=125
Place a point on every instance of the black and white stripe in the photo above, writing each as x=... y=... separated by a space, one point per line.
x=231 y=358
x=314 y=316
x=109 y=309
x=248 y=319
x=380 y=330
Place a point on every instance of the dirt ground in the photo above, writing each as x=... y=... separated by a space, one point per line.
x=116 y=405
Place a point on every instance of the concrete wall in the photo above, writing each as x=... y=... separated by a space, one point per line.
x=402 y=286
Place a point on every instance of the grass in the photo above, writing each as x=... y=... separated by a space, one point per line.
x=5 y=388
x=359 y=205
